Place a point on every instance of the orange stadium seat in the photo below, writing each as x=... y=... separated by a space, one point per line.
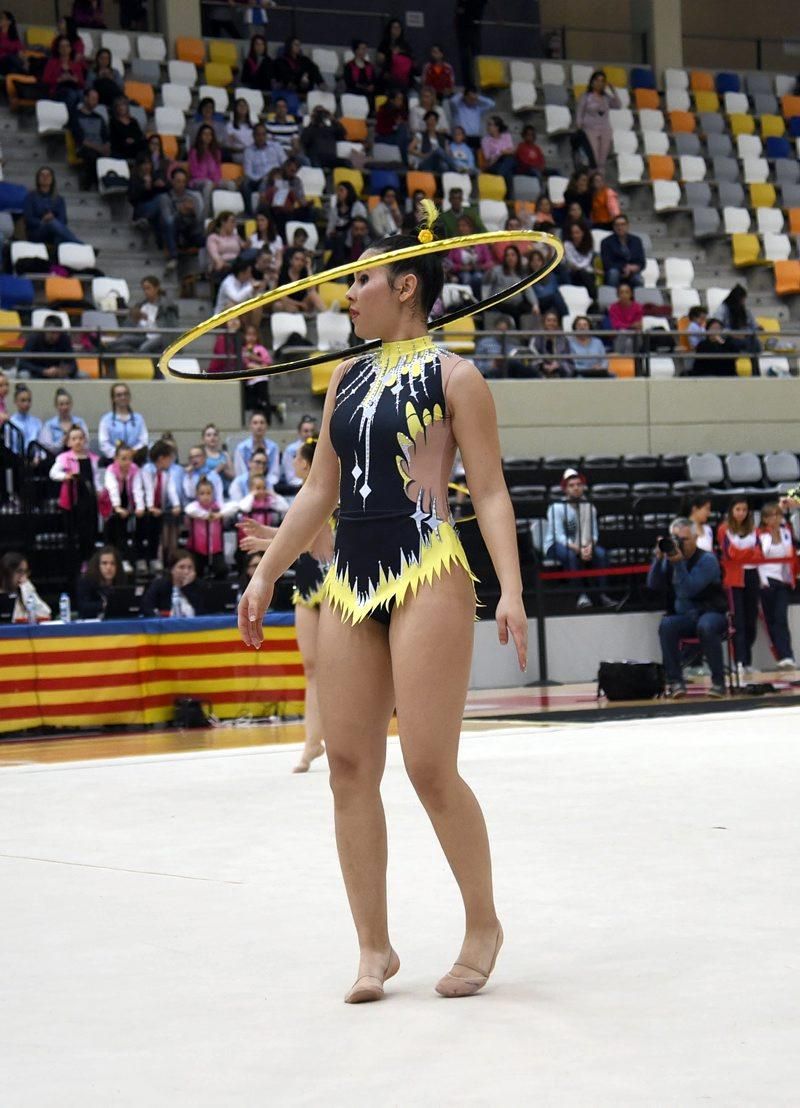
x=416 y=179
x=140 y=93
x=787 y=278
x=170 y=144
x=661 y=167
x=790 y=106
x=355 y=129
x=700 y=80
x=646 y=98
x=65 y=290
x=682 y=122
x=231 y=171
x=89 y=367
x=794 y=220
x=622 y=367
x=190 y=50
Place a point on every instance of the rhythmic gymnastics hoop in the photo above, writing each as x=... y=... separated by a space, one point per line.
x=372 y=261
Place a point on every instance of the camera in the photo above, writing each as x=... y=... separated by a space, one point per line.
x=668 y=545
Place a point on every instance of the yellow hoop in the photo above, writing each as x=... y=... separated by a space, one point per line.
x=372 y=261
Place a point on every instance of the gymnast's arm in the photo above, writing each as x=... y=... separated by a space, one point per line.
x=309 y=513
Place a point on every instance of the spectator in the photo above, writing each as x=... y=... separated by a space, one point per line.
x=461 y=152
x=265 y=238
x=294 y=71
x=104 y=79
x=260 y=159
x=64 y=74
x=466 y=110
x=122 y=425
x=451 y=215
x=625 y=317
x=223 y=246
x=155 y=310
x=296 y=266
x=622 y=255
x=181 y=217
x=205 y=166
x=205 y=517
x=15 y=580
x=577 y=192
x=497 y=148
x=472 y=264
x=88 y=13
x=696 y=330
x=12 y=58
x=77 y=470
x=716 y=354
x=157 y=599
x=778 y=580
x=741 y=554
x=55 y=430
x=239 y=132
x=320 y=137
x=688 y=580
x=503 y=276
x=150 y=180
x=196 y=471
x=438 y=74
x=238 y=286
x=283 y=128
x=571 y=537
x=359 y=74
x=250 y=566
x=492 y=353
x=543 y=218
x=356 y=240
x=591 y=116
x=428 y=151
x=569 y=214
x=386 y=218
x=162 y=497
x=29 y=426
x=427 y=103
x=394 y=57
x=588 y=352
x=391 y=122
x=579 y=258
x=258 y=438
x=49 y=353
x=257 y=68
x=218 y=458
x=345 y=206
x=125 y=488
x=307 y=428
x=551 y=347
x=605 y=202
x=91 y=137
x=67 y=28
x=284 y=197
x=127 y=140
x=546 y=290
x=261 y=504
x=699 y=512
x=207 y=116
x=45 y=211
x=529 y=156
x=95 y=586
x=735 y=316
x=256 y=467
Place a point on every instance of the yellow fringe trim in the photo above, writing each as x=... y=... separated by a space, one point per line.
x=312 y=601
x=437 y=555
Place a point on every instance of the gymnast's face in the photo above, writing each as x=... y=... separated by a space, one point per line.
x=376 y=306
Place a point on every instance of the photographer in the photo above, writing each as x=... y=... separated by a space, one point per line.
x=689 y=581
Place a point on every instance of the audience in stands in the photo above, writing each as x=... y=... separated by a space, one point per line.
x=578 y=192
x=550 y=348
x=529 y=158
x=734 y=315
x=605 y=202
x=307 y=428
x=208 y=116
x=716 y=354
x=121 y=425
x=77 y=470
x=471 y=265
x=265 y=154
x=283 y=128
x=345 y=207
x=64 y=75
x=622 y=255
x=394 y=57
x=238 y=132
x=296 y=266
x=777 y=580
x=588 y=351
x=591 y=116
x=107 y=82
x=125 y=135
x=55 y=430
x=391 y=122
x=5 y=385
x=218 y=458
x=294 y=71
x=466 y=111
x=154 y=310
x=180 y=217
x=265 y=237
x=625 y=316
x=157 y=599
x=29 y=425
x=256 y=467
x=386 y=218
x=320 y=137
x=163 y=480
x=687 y=580
x=94 y=587
x=503 y=276
x=223 y=246
x=429 y=151
x=461 y=152
x=88 y=13
x=91 y=136
x=360 y=76
x=150 y=179
x=205 y=516
x=455 y=209
x=12 y=48
x=49 y=353
x=258 y=438
x=696 y=329
x=195 y=471
x=579 y=257
x=571 y=537
x=546 y=290
x=544 y=218
x=238 y=286
x=205 y=166
x=257 y=67
x=741 y=554
x=284 y=197
x=45 y=211
x=427 y=102
x=438 y=74
x=15 y=581
x=497 y=147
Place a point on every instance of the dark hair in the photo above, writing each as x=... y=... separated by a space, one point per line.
x=103 y=50
x=162 y=449
x=511 y=246
x=204 y=101
x=427 y=269
x=696 y=311
x=528 y=127
x=307 y=450
x=748 y=524
x=251 y=52
x=93 y=566
x=469 y=88
x=61 y=391
x=239 y=265
x=387 y=188
x=182 y=555
x=53 y=190
x=21 y=387
x=52 y=322
x=499 y=123
x=624 y=284
x=586 y=245
x=213 y=146
x=597 y=73
x=737 y=312
x=176 y=170
x=386 y=41
x=578 y=318
x=203 y=483
x=428 y=115
x=57 y=42
x=9 y=564
x=13 y=33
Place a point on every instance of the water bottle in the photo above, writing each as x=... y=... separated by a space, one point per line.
x=176 y=606
x=30 y=604
x=64 y=609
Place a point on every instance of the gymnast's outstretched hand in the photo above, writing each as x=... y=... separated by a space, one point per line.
x=252 y=609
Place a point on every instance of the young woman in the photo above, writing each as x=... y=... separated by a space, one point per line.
x=579 y=257
x=28 y=425
x=591 y=116
x=265 y=237
x=223 y=246
x=239 y=131
x=45 y=211
x=15 y=579
x=551 y=348
x=56 y=429
x=76 y=469
x=359 y=73
x=587 y=350
x=394 y=57
x=12 y=59
x=399 y=598
x=205 y=164
x=698 y=515
x=296 y=265
x=125 y=135
x=497 y=147
x=740 y=553
x=310 y=570
x=778 y=580
x=507 y=274
x=64 y=75
x=257 y=68
x=470 y=264
x=218 y=459
x=605 y=202
x=625 y=316
x=103 y=573
x=345 y=206
x=122 y=424
x=108 y=81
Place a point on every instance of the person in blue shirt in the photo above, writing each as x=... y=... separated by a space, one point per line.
x=461 y=152
x=571 y=537
x=54 y=431
x=690 y=582
x=258 y=437
x=121 y=425
x=467 y=110
x=588 y=352
x=45 y=211
x=307 y=428
x=29 y=426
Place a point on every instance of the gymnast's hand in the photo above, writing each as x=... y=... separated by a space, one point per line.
x=252 y=609
x=511 y=619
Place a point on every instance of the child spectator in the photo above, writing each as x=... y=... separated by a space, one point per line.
x=29 y=426
x=204 y=521
x=543 y=217
x=359 y=74
x=93 y=590
x=125 y=488
x=579 y=257
x=625 y=316
x=121 y=425
x=777 y=580
x=461 y=152
x=529 y=156
x=162 y=499
x=257 y=68
x=49 y=353
x=15 y=580
x=77 y=470
x=588 y=352
x=218 y=459
x=261 y=504
x=591 y=116
x=696 y=331
x=258 y=438
x=157 y=600
x=438 y=74
x=45 y=211
x=497 y=148
x=741 y=553
x=196 y=472
x=605 y=202
x=56 y=429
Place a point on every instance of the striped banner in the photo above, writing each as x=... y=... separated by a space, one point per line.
x=131 y=671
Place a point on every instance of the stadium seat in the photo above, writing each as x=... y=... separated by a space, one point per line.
x=676 y=79
x=326 y=100
x=580 y=74
x=327 y=61
x=354 y=106
x=777 y=247
x=22 y=250
x=646 y=99
x=384 y=153
x=556 y=187
x=151 y=48
x=231 y=171
x=345 y=149
x=748 y=146
x=630 y=168
x=714 y=297
x=254 y=98
x=727 y=83
x=781 y=466
x=51 y=117
x=15 y=292
x=736 y=103
x=666 y=195
x=661 y=167
x=719 y=146
x=354 y=176
x=621 y=367
x=64 y=290
x=552 y=73
x=217 y=94
x=774 y=366
x=705 y=469
x=790 y=106
x=741 y=124
x=175 y=96
x=772 y=126
x=492 y=73
x=769 y=221
x=491 y=186
x=778 y=147
x=651 y=275
x=683 y=300
x=105 y=287
x=731 y=194
x=354 y=129
x=790 y=196
x=682 y=121
x=621 y=119
x=655 y=142
x=77 y=256
x=746 y=249
x=692 y=168
x=650 y=119
x=333 y=293
x=787 y=278
x=678 y=273
x=700 y=80
x=418 y=180
x=706 y=102
x=705 y=222
x=120 y=168
x=784 y=84
x=677 y=100
x=762 y=196
x=321 y=376
x=146 y=70
x=39 y=315
x=520 y=70
x=10 y=334
x=712 y=123
x=688 y=146
x=755 y=171
x=555 y=96
x=642 y=77
x=725 y=169
x=333 y=330
x=141 y=94
x=794 y=220
x=764 y=103
x=523 y=96
x=557 y=119
x=134 y=369
x=118 y=44
x=464 y=329
x=190 y=50
x=182 y=73
x=40 y=36
x=616 y=75
x=285 y=324
x=223 y=52
x=494 y=214
x=624 y=142
x=697 y=194
x=226 y=200
x=661 y=367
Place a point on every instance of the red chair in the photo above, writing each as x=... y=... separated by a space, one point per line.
x=732 y=671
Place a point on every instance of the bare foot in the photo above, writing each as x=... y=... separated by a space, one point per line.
x=474 y=964
x=308 y=756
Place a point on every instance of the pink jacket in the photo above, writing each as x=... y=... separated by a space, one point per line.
x=484 y=259
x=206 y=168
x=205 y=535
x=63 y=468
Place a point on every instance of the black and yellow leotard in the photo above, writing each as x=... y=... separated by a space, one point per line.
x=392 y=433
x=311 y=569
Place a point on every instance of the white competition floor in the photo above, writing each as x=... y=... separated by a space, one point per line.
x=175 y=932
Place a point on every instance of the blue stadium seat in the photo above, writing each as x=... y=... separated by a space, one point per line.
x=642 y=77
x=15 y=292
x=380 y=179
x=778 y=147
x=794 y=126
x=728 y=82
x=12 y=197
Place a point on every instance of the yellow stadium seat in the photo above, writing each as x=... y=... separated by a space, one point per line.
x=746 y=249
x=706 y=101
x=769 y=324
x=492 y=73
x=491 y=186
x=578 y=91
x=744 y=367
x=10 y=340
x=73 y=158
x=741 y=124
x=355 y=129
x=380 y=100
x=622 y=367
x=141 y=93
x=418 y=180
x=333 y=292
x=89 y=367
x=218 y=74
x=15 y=91
x=682 y=122
x=661 y=167
x=321 y=376
x=134 y=369
x=646 y=98
x=790 y=106
x=40 y=36
x=772 y=126
x=354 y=176
x=700 y=80
x=616 y=75
x=787 y=278
x=762 y=196
x=794 y=220
x=459 y=336
x=190 y=50
x=224 y=52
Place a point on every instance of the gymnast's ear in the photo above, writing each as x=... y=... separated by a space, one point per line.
x=407 y=285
